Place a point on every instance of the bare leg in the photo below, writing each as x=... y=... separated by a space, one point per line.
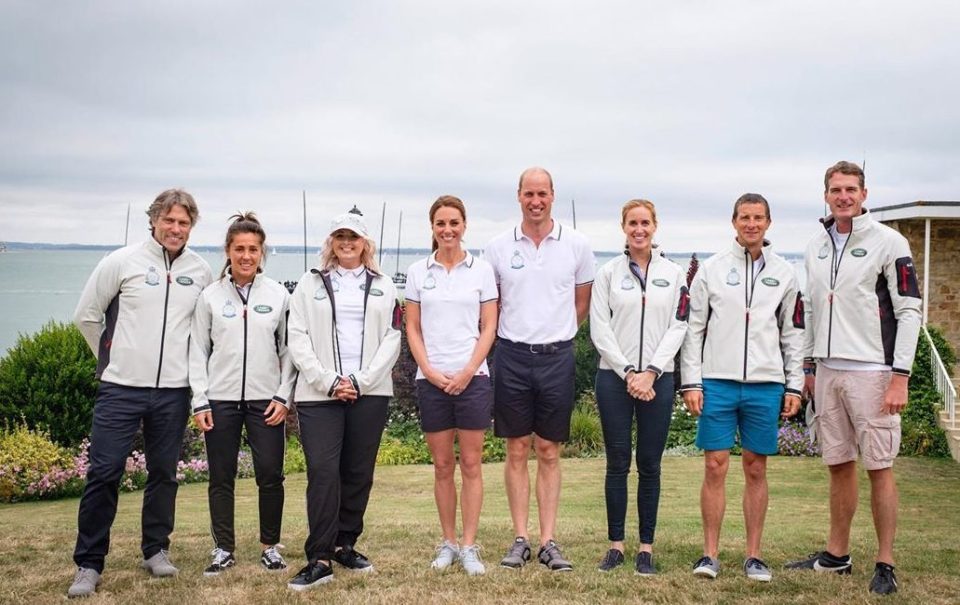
x=518 y=483
x=471 y=494
x=548 y=486
x=843 y=505
x=713 y=499
x=884 y=500
x=444 y=489
x=755 y=497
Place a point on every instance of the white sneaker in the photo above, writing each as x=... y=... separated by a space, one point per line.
x=470 y=560
x=447 y=555
x=159 y=565
x=85 y=583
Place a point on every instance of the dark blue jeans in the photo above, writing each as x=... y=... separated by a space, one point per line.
x=617 y=413
x=117 y=414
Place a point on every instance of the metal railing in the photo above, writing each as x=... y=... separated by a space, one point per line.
x=942 y=379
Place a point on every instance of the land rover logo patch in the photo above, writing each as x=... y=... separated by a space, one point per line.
x=770 y=281
x=376 y=292
x=661 y=282
x=183 y=280
x=263 y=308
x=858 y=252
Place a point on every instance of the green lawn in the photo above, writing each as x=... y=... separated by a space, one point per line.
x=401 y=533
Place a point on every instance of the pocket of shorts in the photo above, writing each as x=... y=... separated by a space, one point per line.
x=883 y=443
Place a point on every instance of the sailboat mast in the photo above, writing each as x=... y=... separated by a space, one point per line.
x=383 y=217
x=399 y=227
x=304 y=230
x=126 y=231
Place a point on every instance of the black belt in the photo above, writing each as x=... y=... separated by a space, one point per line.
x=549 y=348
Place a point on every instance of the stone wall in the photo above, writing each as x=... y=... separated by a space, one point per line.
x=944 y=294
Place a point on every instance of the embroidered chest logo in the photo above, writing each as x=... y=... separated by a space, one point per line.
x=858 y=252
x=183 y=280
x=516 y=261
x=770 y=281
x=152 y=278
x=824 y=251
x=428 y=284
x=335 y=284
x=263 y=308
x=320 y=294
x=733 y=277
x=627 y=283
x=660 y=282
x=229 y=310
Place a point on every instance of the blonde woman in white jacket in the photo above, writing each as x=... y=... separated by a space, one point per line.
x=344 y=339
x=241 y=376
x=637 y=322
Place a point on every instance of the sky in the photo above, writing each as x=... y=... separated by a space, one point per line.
x=249 y=104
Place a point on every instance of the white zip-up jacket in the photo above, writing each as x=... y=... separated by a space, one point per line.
x=238 y=347
x=313 y=342
x=866 y=307
x=135 y=314
x=741 y=328
x=638 y=324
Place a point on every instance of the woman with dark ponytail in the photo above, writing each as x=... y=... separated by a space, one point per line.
x=448 y=295
x=241 y=375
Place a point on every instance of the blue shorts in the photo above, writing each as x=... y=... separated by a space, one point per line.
x=753 y=407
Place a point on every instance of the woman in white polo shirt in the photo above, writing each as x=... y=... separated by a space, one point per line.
x=344 y=338
x=448 y=295
x=638 y=313
x=241 y=375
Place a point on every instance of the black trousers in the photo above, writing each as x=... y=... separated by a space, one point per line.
x=340 y=441
x=223 y=445
x=117 y=415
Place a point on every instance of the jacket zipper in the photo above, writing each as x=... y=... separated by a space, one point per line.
x=166 y=303
x=749 y=287
x=834 y=271
x=643 y=307
x=243 y=378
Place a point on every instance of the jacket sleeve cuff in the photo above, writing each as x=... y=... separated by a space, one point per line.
x=901 y=371
x=281 y=400
x=356 y=384
x=333 y=386
x=652 y=368
x=696 y=386
x=796 y=392
x=201 y=409
x=628 y=369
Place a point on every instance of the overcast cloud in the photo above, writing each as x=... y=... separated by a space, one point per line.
x=688 y=104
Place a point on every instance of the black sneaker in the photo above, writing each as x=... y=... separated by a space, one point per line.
x=884 y=580
x=352 y=560
x=271 y=560
x=222 y=560
x=551 y=557
x=644 y=564
x=611 y=560
x=311 y=576
x=824 y=562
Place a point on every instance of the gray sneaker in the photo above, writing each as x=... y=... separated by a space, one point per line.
x=84 y=583
x=159 y=565
x=706 y=567
x=447 y=555
x=757 y=570
x=517 y=555
x=551 y=557
x=470 y=560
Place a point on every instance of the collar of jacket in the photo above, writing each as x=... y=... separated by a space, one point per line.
x=739 y=250
x=860 y=223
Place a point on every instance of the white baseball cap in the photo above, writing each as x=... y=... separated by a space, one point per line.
x=352 y=221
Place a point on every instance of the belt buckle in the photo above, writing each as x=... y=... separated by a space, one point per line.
x=533 y=349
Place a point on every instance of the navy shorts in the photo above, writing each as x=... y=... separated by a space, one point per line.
x=533 y=389
x=469 y=411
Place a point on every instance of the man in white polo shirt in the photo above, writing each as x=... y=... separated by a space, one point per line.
x=544 y=271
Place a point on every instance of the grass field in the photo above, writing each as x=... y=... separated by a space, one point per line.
x=401 y=533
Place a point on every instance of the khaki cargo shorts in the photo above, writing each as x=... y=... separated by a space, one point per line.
x=849 y=419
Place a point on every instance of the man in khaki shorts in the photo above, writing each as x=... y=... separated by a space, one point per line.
x=863 y=319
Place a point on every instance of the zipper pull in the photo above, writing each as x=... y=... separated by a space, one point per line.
x=830 y=297
x=244 y=311
x=169 y=278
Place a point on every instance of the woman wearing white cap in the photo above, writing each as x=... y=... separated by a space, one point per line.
x=344 y=337
x=451 y=303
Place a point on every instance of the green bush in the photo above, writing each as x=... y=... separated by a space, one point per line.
x=294 y=460
x=921 y=434
x=586 y=361
x=394 y=451
x=494 y=448
x=26 y=457
x=586 y=434
x=683 y=426
x=47 y=380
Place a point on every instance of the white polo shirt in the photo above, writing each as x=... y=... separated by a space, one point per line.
x=348 y=298
x=537 y=283
x=450 y=308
